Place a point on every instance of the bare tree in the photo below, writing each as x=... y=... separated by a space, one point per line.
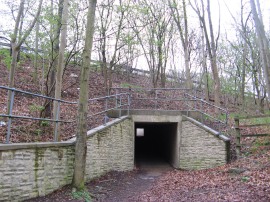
x=211 y=44
x=16 y=42
x=263 y=42
x=184 y=36
x=61 y=63
x=81 y=146
x=152 y=26
x=55 y=28
x=111 y=26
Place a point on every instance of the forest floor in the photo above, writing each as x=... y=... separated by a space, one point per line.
x=246 y=179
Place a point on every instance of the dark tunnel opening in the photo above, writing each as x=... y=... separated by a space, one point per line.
x=157 y=145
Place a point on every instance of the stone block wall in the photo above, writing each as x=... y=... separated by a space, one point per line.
x=35 y=171
x=201 y=148
x=111 y=148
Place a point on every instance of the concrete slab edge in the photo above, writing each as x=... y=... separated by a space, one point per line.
x=103 y=127
x=17 y=146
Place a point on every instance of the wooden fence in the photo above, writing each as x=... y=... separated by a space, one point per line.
x=238 y=131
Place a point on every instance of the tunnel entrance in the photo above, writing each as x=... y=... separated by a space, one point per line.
x=155 y=144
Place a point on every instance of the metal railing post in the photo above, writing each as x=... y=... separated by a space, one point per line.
x=56 y=122
x=128 y=103
x=116 y=102
x=120 y=104
x=238 y=137
x=106 y=108
x=155 y=99
x=10 y=114
x=201 y=110
x=226 y=117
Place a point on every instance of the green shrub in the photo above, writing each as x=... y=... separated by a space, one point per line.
x=84 y=194
x=5 y=54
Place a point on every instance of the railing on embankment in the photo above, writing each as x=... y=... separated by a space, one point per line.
x=120 y=98
x=181 y=99
x=19 y=111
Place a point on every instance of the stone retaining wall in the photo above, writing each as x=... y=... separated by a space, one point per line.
x=201 y=147
x=37 y=169
x=112 y=148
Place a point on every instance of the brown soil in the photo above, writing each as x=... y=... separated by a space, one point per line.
x=247 y=179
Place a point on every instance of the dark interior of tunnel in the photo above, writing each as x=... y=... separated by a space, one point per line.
x=157 y=145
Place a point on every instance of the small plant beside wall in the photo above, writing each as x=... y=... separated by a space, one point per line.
x=82 y=195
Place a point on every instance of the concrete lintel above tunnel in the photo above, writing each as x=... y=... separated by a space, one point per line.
x=156 y=119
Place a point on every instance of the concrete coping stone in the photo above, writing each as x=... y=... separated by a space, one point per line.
x=16 y=146
x=212 y=131
x=103 y=127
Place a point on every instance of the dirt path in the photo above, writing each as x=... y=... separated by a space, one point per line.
x=126 y=186
x=116 y=186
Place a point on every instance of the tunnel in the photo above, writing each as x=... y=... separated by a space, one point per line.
x=155 y=143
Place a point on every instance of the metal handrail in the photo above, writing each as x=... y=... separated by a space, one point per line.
x=34 y=118
x=10 y=116
x=117 y=106
x=199 y=99
x=126 y=88
x=36 y=95
x=106 y=97
x=191 y=98
x=208 y=115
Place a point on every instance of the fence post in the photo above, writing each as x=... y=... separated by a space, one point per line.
x=9 y=115
x=56 y=122
x=128 y=102
x=226 y=116
x=187 y=104
x=238 y=137
x=116 y=102
x=201 y=110
x=196 y=101
x=120 y=105
x=106 y=109
x=155 y=99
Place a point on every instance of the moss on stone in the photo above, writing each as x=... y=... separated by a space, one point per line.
x=39 y=153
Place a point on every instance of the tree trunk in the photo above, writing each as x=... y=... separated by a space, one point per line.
x=16 y=44
x=48 y=108
x=204 y=64
x=263 y=43
x=61 y=63
x=36 y=53
x=213 y=59
x=183 y=36
x=81 y=146
x=243 y=79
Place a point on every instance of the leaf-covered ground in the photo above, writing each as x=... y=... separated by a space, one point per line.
x=247 y=179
